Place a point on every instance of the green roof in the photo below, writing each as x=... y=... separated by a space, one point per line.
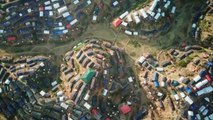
x=88 y=75
x=78 y=46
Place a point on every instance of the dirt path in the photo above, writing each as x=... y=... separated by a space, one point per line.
x=2 y=117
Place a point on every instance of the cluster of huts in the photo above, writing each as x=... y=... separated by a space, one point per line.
x=18 y=99
x=29 y=69
x=92 y=67
x=44 y=19
x=198 y=16
x=192 y=91
x=157 y=10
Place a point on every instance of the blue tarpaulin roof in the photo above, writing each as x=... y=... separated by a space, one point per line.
x=188 y=90
x=69 y=18
x=175 y=83
x=210 y=64
x=105 y=83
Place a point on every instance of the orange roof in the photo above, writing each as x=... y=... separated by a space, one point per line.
x=117 y=22
x=125 y=109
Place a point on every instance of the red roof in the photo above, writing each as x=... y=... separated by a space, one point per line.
x=41 y=8
x=208 y=77
x=107 y=118
x=11 y=38
x=94 y=112
x=68 y=26
x=125 y=109
x=100 y=56
x=117 y=22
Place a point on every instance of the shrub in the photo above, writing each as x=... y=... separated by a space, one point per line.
x=182 y=63
x=135 y=43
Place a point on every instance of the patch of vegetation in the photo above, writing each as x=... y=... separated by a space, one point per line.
x=208 y=41
x=59 y=42
x=205 y=25
x=19 y=49
x=107 y=56
x=135 y=43
x=140 y=4
x=133 y=54
x=185 y=62
x=130 y=72
x=182 y=63
x=77 y=67
x=189 y=59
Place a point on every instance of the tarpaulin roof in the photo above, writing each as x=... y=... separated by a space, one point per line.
x=88 y=75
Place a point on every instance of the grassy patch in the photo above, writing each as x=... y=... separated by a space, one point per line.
x=182 y=63
x=133 y=54
x=135 y=43
x=205 y=25
x=19 y=49
x=185 y=62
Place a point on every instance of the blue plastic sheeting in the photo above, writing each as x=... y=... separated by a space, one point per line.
x=202 y=73
x=5 y=24
x=83 y=118
x=69 y=18
x=156 y=84
x=210 y=64
x=188 y=89
x=193 y=107
x=175 y=83
x=105 y=83
x=57 y=32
